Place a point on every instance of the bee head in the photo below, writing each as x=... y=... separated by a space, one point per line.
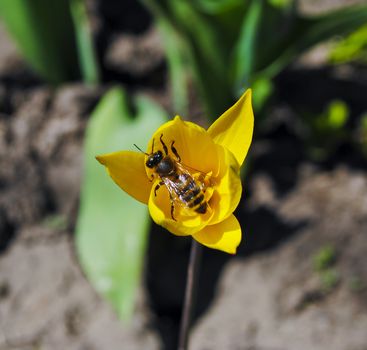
x=154 y=159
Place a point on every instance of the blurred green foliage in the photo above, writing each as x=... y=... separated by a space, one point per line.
x=323 y=262
x=56 y=222
x=53 y=36
x=326 y=131
x=231 y=45
x=89 y=68
x=351 y=48
x=112 y=228
x=324 y=258
x=329 y=279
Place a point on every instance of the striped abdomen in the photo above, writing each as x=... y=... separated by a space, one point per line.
x=191 y=194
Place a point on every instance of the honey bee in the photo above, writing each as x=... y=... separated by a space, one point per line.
x=184 y=189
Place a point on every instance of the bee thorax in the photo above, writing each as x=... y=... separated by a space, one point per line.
x=166 y=167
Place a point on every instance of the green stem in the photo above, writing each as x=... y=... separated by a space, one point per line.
x=190 y=294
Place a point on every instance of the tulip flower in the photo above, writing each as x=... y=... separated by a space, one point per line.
x=199 y=196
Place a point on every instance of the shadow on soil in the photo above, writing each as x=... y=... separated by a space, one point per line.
x=167 y=264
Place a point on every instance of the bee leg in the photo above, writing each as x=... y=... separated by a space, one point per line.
x=172 y=209
x=174 y=151
x=157 y=188
x=164 y=145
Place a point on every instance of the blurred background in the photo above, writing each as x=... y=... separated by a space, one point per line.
x=81 y=265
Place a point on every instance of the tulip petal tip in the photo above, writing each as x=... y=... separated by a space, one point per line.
x=100 y=159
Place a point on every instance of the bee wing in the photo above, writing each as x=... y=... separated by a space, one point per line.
x=173 y=188
x=203 y=179
x=188 y=169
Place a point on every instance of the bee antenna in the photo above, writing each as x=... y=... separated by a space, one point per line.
x=141 y=150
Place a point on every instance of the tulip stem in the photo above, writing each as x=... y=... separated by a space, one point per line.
x=190 y=294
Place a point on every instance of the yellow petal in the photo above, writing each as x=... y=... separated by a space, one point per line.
x=225 y=236
x=228 y=188
x=234 y=128
x=195 y=147
x=186 y=221
x=127 y=169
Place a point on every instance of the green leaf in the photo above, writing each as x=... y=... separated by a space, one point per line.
x=43 y=32
x=245 y=51
x=176 y=65
x=351 y=48
x=112 y=227
x=280 y=3
x=303 y=33
x=205 y=48
x=86 y=53
x=218 y=6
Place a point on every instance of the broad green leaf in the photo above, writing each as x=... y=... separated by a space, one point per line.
x=112 y=227
x=86 y=53
x=43 y=31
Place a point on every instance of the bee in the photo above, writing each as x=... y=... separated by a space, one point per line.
x=184 y=189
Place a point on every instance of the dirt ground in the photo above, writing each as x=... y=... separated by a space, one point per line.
x=270 y=296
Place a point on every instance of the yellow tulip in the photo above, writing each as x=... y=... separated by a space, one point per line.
x=212 y=157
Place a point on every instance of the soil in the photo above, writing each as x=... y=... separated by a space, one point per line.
x=270 y=296
x=277 y=299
